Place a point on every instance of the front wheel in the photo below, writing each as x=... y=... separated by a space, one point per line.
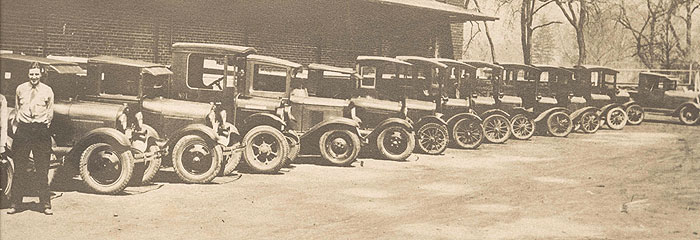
x=339 y=147
x=432 y=138
x=523 y=127
x=104 y=169
x=688 y=115
x=497 y=128
x=616 y=118
x=559 y=124
x=395 y=143
x=8 y=171
x=195 y=160
x=467 y=134
x=635 y=114
x=266 y=149
x=589 y=122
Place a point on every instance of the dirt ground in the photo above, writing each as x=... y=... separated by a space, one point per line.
x=639 y=183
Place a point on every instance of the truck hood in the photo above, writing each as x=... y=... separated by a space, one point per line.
x=548 y=100
x=331 y=102
x=512 y=100
x=376 y=104
x=258 y=103
x=600 y=97
x=94 y=111
x=487 y=101
x=419 y=105
x=177 y=108
x=457 y=103
x=578 y=100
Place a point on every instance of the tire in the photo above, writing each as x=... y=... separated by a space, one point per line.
x=230 y=163
x=266 y=150
x=523 y=127
x=559 y=124
x=688 y=115
x=294 y=146
x=635 y=114
x=467 y=134
x=616 y=118
x=7 y=175
x=195 y=160
x=97 y=164
x=395 y=143
x=497 y=128
x=339 y=147
x=145 y=172
x=432 y=138
x=589 y=122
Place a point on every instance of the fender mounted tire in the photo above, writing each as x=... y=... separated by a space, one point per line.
x=616 y=118
x=523 y=127
x=635 y=114
x=688 y=115
x=497 y=128
x=395 y=143
x=195 y=160
x=432 y=138
x=559 y=124
x=340 y=147
x=105 y=170
x=266 y=150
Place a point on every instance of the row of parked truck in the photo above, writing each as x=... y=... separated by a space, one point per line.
x=218 y=108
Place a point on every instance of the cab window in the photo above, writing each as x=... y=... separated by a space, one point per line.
x=369 y=75
x=207 y=72
x=119 y=80
x=269 y=78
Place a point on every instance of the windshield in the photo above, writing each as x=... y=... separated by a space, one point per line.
x=156 y=86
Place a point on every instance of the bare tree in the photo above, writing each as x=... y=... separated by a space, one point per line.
x=576 y=12
x=486 y=30
x=528 y=9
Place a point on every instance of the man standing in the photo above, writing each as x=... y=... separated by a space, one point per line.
x=34 y=106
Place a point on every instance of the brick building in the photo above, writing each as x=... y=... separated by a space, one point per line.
x=305 y=31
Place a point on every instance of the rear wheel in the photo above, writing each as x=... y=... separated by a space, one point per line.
x=635 y=114
x=339 y=147
x=266 y=149
x=432 y=138
x=467 y=133
x=395 y=143
x=523 y=127
x=195 y=160
x=559 y=124
x=104 y=169
x=589 y=122
x=688 y=115
x=497 y=128
x=616 y=118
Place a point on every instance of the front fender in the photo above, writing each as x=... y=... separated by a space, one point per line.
x=388 y=123
x=578 y=112
x=549 y=111
x=258 y=119
x=606 y=108
x=336 y=123
x=431 y=118
x=627 y=104
x=678 y=109
x=495 y=111
x=110 y=136
x=452 y=120
x=194 y=129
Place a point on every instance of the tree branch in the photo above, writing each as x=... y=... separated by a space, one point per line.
x=544 y=25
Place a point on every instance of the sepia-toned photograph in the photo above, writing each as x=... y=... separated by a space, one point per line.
x=352 y=119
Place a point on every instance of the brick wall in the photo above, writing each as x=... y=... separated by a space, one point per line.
x=145 y=31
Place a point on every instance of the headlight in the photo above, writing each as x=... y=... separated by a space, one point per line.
x=122 y=122
x=139 y=120
x=222 y=116
x=280 y=112
x=211 y=118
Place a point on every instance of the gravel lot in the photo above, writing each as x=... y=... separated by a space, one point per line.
x=639 y=183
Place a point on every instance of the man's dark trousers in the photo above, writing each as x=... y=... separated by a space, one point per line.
x=34 y=138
